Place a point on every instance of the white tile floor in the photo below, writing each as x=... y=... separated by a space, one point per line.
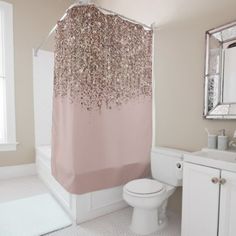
x=115 y=224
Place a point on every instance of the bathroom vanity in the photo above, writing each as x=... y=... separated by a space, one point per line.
x=209 y=193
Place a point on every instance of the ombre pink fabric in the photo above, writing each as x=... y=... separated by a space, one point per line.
x=100 y=150
x=102 y=105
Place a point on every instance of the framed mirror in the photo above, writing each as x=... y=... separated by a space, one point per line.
x=220 y=73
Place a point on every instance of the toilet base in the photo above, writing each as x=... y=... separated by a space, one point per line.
x=145 y=221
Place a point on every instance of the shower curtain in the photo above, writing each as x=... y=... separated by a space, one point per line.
x=102 y=105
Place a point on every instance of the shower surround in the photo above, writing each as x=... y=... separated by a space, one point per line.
x=102 y=106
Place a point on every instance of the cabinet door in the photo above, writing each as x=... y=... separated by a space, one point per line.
x=227 y=222
x=200 y=200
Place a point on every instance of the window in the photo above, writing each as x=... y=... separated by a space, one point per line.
x=7 y=91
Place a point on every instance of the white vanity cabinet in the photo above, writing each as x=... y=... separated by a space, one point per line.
x=209 y=197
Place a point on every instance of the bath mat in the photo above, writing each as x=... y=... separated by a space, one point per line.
x=32 y=216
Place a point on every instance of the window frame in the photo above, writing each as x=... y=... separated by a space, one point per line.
x=10 y=140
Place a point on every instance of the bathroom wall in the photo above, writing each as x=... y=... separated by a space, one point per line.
x=32 y=22
x=179 y=66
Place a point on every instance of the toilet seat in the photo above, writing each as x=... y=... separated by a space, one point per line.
x=144 y=187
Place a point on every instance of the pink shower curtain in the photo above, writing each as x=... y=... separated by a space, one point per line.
x=102 y=108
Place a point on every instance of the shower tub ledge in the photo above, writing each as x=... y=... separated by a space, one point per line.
x=82 y=207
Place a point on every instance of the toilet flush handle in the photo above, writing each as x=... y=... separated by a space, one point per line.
x=179 y=170
x=179 y=165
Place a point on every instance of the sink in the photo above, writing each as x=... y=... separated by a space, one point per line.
x=210 y=157
x=217 y=155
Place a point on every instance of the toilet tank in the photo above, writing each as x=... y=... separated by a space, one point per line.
x=167 y=166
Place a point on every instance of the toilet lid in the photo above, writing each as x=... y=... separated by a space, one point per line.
x=144 y=186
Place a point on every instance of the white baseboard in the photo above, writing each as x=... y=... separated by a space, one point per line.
x=9 y=172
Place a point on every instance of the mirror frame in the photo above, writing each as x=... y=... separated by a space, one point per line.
x=214 y=108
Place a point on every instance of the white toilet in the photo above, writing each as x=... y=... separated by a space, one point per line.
x=149 y=197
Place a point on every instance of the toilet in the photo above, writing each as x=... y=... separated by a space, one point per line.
x=149 y=197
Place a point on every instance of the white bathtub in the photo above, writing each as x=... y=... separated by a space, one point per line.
x=81 y=207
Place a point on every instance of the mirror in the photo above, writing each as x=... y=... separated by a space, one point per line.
x=229 y=92
x=220 y=73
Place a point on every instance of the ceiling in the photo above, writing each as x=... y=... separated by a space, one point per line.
x=165 y=11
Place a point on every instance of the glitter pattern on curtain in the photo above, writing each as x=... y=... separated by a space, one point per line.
x=102 y=105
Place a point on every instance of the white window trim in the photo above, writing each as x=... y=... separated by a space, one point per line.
x=10 y=144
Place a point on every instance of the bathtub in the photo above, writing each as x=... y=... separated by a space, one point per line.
x=82 y=207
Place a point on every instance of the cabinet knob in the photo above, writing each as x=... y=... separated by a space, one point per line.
x=215 y=180
x=222 y=181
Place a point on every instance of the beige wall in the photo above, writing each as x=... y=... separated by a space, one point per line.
x=179 y=66
x=32 y=21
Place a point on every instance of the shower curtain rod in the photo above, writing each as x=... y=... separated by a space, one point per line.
x=100 y=8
